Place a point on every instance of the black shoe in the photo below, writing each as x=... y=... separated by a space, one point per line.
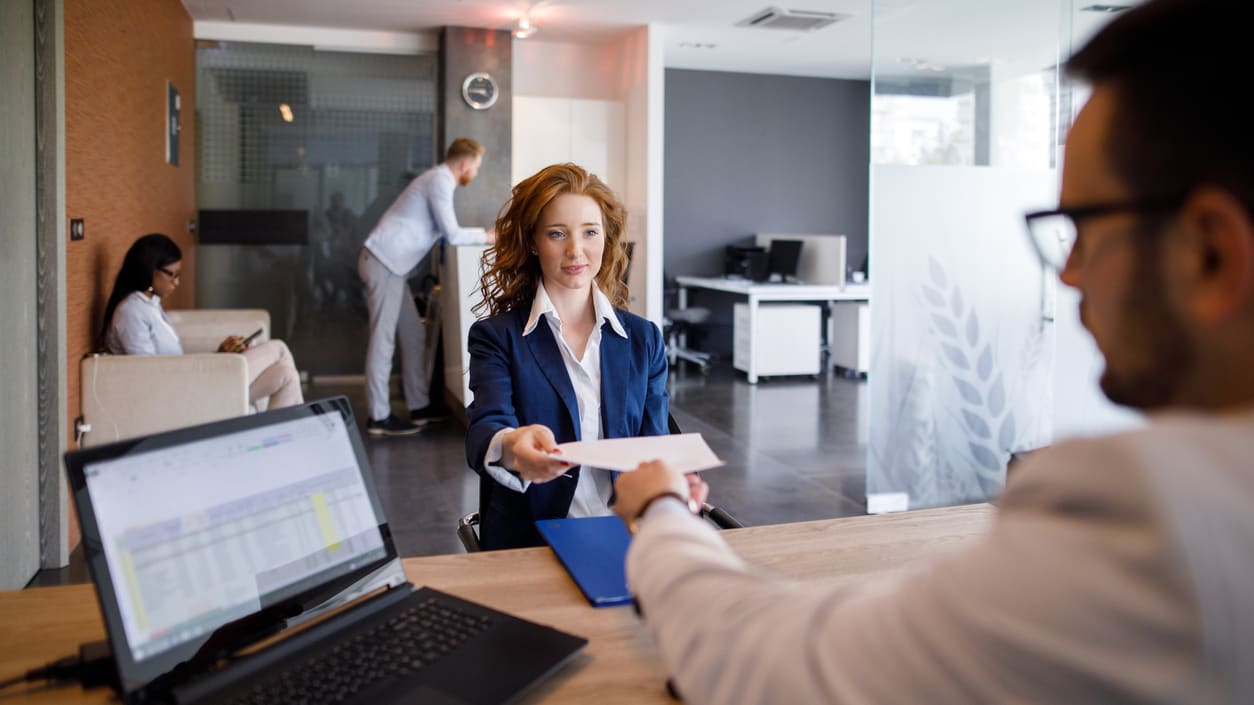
x=391 y=426
x=428 y=414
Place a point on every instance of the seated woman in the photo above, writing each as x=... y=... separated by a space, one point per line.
x=135 y=324
x=558 y=359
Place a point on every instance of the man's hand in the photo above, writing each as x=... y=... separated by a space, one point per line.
x=525 y=451
x=635 y=489
x=232 y=344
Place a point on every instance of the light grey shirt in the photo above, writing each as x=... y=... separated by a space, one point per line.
x=140 y=327
x=1118 y=570
x=418 y=217
x=592 y=494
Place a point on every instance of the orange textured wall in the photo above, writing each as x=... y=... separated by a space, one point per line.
x=118 y=56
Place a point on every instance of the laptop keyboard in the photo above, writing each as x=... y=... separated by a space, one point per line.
x=406 y=642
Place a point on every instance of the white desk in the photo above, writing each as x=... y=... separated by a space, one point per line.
x=757 y=293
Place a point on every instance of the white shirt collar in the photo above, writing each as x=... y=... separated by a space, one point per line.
x=542 y=304
x=154 y=300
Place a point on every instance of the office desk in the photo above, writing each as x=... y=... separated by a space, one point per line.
x=758 y=293
x=620 y=663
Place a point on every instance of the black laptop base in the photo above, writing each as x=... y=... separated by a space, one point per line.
x=462 y=653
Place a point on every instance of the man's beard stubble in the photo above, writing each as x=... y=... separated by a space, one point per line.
x=1159 y=351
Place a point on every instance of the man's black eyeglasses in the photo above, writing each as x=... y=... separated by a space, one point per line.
x=1054 y=232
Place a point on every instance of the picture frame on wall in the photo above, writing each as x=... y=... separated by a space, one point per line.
x=172 y=109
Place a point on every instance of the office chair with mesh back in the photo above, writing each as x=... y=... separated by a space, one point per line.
x=467 y=525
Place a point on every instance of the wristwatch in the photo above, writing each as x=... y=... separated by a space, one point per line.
x=691 y=503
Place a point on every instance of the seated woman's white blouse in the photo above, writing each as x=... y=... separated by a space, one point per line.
x=139 y=327
x=594 y=487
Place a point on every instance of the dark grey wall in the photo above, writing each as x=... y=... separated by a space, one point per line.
x=464 y=51
x=749 y=153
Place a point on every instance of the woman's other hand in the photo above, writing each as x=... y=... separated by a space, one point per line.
x=232 y=344
x=525 y=451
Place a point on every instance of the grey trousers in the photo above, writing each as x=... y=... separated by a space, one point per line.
x=393 y=317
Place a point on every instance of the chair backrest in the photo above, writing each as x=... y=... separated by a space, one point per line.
x=124 y=396
x=202 y=330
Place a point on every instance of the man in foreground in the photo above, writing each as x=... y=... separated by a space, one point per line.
x=1118 y=569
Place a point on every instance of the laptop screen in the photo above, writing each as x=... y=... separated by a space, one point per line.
x=194 y=531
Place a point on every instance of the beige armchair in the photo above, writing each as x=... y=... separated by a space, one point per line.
x=124 y=396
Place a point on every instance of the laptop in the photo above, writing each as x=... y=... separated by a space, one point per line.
x=205 y=541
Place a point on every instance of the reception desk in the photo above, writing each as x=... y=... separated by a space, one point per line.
x=459 y=292
x=620 y=664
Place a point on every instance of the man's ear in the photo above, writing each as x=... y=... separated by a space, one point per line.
x=1217 y=254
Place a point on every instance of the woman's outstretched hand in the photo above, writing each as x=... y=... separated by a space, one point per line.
x=525 y=451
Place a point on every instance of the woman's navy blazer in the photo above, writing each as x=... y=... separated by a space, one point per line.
x=518 y=381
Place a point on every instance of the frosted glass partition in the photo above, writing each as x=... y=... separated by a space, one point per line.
x=969 y=115
x=961 y=357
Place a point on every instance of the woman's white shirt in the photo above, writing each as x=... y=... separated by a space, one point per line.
x=592 y=494
x=140 y=327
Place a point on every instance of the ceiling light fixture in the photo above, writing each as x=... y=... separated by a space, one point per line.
x=285 y=112
x=525 y=28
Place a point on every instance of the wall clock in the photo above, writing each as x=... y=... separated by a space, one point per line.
x=479 y=90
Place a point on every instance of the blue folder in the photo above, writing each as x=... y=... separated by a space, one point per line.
x=594 y=551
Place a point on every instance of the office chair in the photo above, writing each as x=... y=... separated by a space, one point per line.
x=677 y=323
x=467 y=525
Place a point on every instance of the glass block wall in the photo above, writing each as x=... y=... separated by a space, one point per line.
x=334 y=135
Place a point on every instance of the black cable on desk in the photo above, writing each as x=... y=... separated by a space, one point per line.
x=12 y=681
x=91 y=667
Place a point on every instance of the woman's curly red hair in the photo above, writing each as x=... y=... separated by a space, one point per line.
x=512 y=273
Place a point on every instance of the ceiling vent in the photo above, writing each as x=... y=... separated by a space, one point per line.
x=794 y=20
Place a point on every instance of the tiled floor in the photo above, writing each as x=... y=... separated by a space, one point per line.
x=794 y=447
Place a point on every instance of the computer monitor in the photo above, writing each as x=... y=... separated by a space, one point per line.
x=785 y=256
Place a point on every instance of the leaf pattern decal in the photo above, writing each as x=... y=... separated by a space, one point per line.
x=976 y=424
x=969 y=393
x=984 y=366
x=971 y=364
x=1007 y=434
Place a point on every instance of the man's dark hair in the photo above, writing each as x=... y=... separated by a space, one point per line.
x=1175 y=69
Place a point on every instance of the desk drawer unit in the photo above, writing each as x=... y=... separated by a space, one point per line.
x=787 y=336
x=849 y=336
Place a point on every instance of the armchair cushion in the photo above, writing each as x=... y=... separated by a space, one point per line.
x=202 y=330
x=124 y=396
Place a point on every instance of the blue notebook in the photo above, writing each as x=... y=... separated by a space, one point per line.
x=594 y=551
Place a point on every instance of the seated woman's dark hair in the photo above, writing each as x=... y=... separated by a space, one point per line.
x=146 y=256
